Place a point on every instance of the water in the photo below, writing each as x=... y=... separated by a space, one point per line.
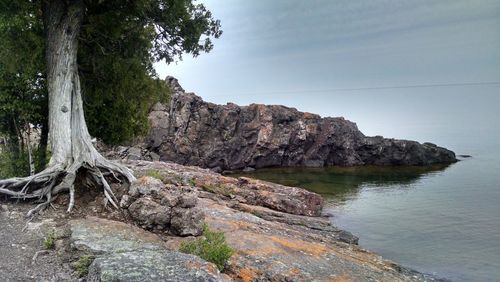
x=443 y=220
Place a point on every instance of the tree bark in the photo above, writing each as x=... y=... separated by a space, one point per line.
x=62 y=21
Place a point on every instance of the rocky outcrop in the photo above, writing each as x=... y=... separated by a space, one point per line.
x=243 y=190
x=156 y=206
x=231 y=137
x=269 y=243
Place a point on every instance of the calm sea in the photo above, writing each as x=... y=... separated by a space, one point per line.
x=439 y=220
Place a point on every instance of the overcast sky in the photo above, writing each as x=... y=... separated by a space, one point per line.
x=304 y=54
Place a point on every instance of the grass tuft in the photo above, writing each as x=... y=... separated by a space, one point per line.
x=50 y=241
x=82 y=265
x=153 y=173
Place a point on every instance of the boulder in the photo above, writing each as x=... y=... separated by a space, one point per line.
x=149 y=214
x=187 y=221
x=157 y=206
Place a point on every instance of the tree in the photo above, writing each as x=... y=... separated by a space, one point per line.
x=179 y=26
x=23 y=94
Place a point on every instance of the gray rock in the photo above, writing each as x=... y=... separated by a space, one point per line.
x=126 y=253
x=187 y=200
x=187 y=222
x=229 y=137
x=145 y=185
x=154 y=156
x=97 y=235
x=248 y=169
x=121 y=150
x=150 y=214
x=134 y=153
x=145 y=266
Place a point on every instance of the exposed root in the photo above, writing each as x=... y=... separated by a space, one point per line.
x=49 y=183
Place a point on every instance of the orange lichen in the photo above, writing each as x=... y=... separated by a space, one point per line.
x=247 y=274
x=339 y=279
x=293 y=272
x=299 y=245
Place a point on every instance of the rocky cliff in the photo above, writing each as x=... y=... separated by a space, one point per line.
x=231 y=137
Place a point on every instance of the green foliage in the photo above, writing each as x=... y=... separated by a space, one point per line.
x=153 y=173
x=211 y=247
x=82 y=265
x=118 y=44
x=49 y=241
x=14 y=162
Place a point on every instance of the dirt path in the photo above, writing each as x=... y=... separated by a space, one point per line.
x=20 y=240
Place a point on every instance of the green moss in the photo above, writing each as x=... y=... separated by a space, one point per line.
x=49 y=241
x=153 y=173
x=82 y=265
x=211 y=247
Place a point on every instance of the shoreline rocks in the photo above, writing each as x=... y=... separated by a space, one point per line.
x=273 y=240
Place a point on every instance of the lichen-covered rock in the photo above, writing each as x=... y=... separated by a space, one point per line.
x=98 y=235
x=278 y=197
x=157 y=206
x=150 y=214
x=187 y=221
x=152 y=266
x=228 y=137
x=145 y=185
x=272 y=250
x=126 y=253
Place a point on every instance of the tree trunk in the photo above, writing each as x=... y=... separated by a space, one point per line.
x=62 y=24
x=70 y=141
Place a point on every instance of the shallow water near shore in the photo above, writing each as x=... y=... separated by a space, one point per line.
x=441 y=220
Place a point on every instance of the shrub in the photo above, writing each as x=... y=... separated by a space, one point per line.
x=49 y=241
x=82 y=265
x=211 y=247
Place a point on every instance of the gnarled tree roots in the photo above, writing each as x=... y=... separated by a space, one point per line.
x=49 y=183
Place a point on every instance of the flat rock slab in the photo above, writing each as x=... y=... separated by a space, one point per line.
x=97 y=235
x=144 y=266
x=275 y=251
x=127 y=253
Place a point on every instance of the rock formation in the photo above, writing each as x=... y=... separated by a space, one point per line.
x=275 y=231
x=231 y=137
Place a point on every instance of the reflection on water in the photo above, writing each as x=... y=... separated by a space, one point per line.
x=439 y=220
x=337 y=184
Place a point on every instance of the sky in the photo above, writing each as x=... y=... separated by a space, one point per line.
x=360 y=60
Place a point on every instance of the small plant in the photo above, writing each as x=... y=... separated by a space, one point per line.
x=192 y=182
x=49 y=241
x=82 y=265
x=211 y=247
x=153 y=173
